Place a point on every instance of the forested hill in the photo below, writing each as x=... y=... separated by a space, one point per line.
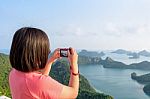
x=60 y=72
x=110 y=63
x=4 y=71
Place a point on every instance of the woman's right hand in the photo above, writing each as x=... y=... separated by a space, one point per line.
x=73 y=59
x=55 y=55
x=52 y=59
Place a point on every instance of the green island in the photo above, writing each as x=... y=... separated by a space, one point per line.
x=134 y=55
x=110 y=63
x=143 y=79
x=91 y=53
x=60 y=72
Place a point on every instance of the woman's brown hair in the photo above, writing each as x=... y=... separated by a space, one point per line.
x=29 y=49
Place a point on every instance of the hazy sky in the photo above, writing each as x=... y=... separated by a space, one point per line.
x=82 y=24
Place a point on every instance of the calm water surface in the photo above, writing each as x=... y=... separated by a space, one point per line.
x=115 y=82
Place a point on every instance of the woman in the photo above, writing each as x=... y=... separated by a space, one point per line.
x=29 y=78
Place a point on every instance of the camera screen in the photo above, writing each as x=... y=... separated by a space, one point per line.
x=63 y=53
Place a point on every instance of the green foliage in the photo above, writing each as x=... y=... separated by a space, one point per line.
x=4 y=72
x=84 y=94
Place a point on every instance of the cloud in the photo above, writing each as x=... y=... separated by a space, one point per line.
x=106 y=30
x=119 y=30
x=143 y=29
x=112 y=29
x=70 y=30
x=75 y=30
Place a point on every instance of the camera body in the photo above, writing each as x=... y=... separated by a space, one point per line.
x=64 y=52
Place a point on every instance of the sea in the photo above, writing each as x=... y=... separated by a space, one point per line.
x=116 y=82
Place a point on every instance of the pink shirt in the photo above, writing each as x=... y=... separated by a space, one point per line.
x=33 y=86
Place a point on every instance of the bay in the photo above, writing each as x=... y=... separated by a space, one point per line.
x=115 y=82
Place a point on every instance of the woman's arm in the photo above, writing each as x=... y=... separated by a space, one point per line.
x=50 y=61
x=47 y=68
x=71 y=91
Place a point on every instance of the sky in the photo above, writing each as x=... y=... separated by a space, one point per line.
x=82 y=24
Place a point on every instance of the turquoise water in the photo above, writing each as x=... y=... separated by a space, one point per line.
x=115 y=82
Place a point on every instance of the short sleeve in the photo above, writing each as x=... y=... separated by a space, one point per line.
x=50 y=88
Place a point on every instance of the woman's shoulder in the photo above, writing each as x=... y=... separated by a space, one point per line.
x=38 y=83
x=38 y=78
x=16 y=74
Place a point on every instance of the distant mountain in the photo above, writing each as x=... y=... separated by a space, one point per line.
x=144 y=53
x=133 y=55
x=109 y=63
x=145 y=65
x=91 y=53
x=121 y=51
x=85 y=60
